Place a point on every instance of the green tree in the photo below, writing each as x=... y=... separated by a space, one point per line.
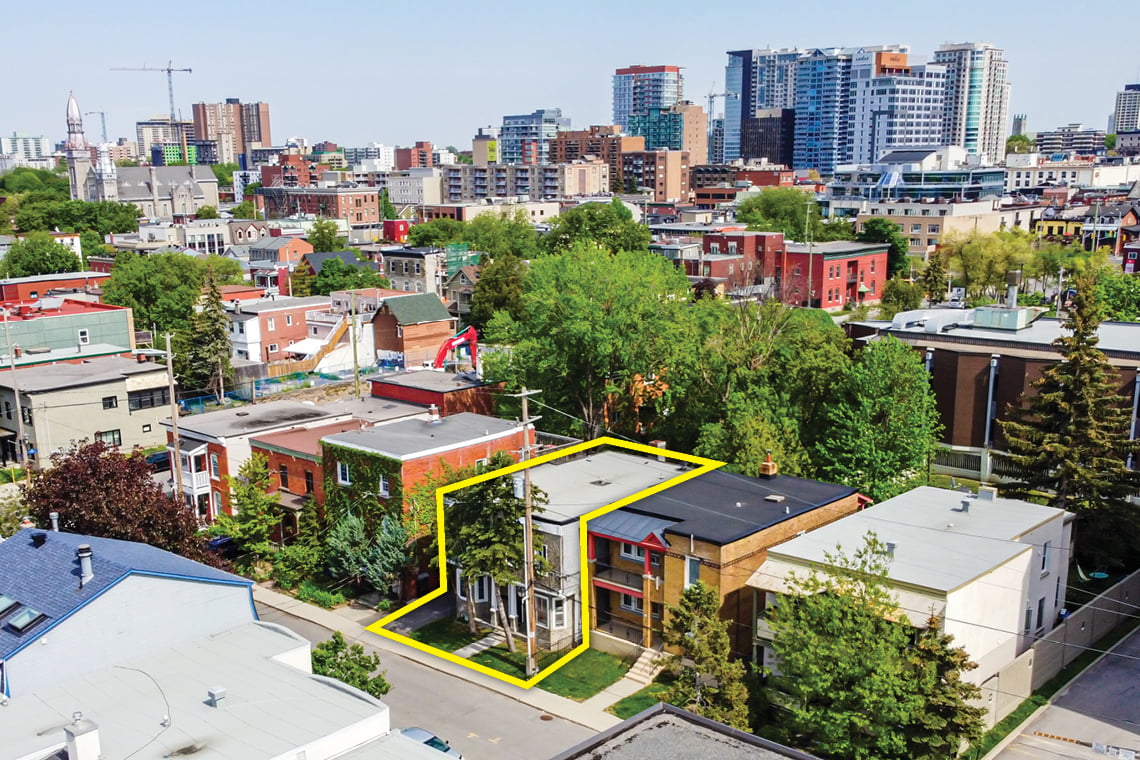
x=1070 y=438
x=499 y=288
x=1119 y=295
x=13 y=510
x=353 y=555
x=849 y=687
x=879 y=230
x=104 y=217
x=205 y=362
x=1110 y=142
x=707 y=681
x=755 y=425
x=258 y=513
x=501 y=235
x=436 y=233
x=387 y=210
x=91 y=243
x=594 y=329
x=350 y=664
x=337 y=275
x=163 y=288
x=244 y=210
x=301 y=281
x=225 y=175
x=933 y=279
x=609 y=225
x=207 y=212
x=1020 y=144
x=983 y=260
x=488 y=537
x=38 y=253
x=45 y=184
x=792 y=212
x=899 y=295
x=882 y=425
x=323 y=237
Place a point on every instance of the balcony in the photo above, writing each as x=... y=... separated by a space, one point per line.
x=618 y=577
x=319 y=316
x=194 y=482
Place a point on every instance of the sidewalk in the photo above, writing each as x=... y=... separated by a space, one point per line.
x=350 y=622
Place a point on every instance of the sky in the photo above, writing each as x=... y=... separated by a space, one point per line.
x=358 y=71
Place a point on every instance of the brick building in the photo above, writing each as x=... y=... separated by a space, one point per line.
x=606 y=143
x=664 y=172
x=416 y=157
x=450 y=394
x=273 y=259
x=839 y=272
x=37 y=286
x=262 y=331
x=294 y=458
x=413 y=326
x=356 y=205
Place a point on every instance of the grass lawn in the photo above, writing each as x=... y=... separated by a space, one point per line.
x=447 y=634
x=581 y=678
x=641 y=700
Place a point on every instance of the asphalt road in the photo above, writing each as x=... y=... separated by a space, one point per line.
x=1103 y=705
x=481 y=724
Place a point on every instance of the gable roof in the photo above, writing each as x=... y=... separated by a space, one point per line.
x=273 y=243
x=317 y=260
x=46 y=578
x=134 y=182
x=417 y=309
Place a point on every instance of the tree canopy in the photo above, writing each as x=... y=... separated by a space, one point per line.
x=885 y=231
x=207 y=212
x=982 y=261
x=491 y=234
x=104 y=217
x=225 y=176
x=257 y=512
x=1020 y=144
x=163 y=288
x=792 y=212
x=203 y=359
x=99 y=491
x=608 y=225
x=350 y=664
x=1118 y=294
x=337 y=275
x=38 y=253
x=324 y=237
x=499 y=288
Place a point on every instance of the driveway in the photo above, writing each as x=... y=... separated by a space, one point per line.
x=481 y=724
x=1101 y=706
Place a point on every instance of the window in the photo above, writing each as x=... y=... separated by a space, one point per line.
x=1041 y=615
x=271 y=348
x=309 y=481
x=84 y=336
x=111 y=437
x=283 y=474
x=110 y=402
x=8 y=409
x=146 y=428
x=342 y=474
x=916 y=228
x=270 y=324
x=656 y=610
x=482 y=588
x=382 y=486
x=932 y=229
x=214 y=466
x=1045 y=557
x=147 y=399
x=692 y=571
x=655 y=559
x=288 y=319
x=632 y=551
x=25 y=619
x=632 y=603
x=872 y=266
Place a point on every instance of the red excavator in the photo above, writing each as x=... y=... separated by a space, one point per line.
x=468 y=336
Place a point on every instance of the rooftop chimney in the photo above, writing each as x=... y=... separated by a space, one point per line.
x=768 y=468
x=1013 y=281
x=987 y=493
x=82 y=737
x=54 y=517
x=39 y=539
x=660 y=445
x=891 y=548
x=216 y=695
x=433 y=415
x=965 y=506
x=83 y=554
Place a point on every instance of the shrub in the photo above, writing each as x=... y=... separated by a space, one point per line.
x=314 y=594
x=296 y=563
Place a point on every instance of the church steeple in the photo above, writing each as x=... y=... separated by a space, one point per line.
x=75 y=138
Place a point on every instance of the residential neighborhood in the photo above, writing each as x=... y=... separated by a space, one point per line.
x=539 y=407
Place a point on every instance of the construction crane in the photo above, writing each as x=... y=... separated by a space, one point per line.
x=169 y=69
x=102 y=119
x=713 y=95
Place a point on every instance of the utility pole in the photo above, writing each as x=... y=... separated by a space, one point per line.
x=355 y=358
x=21 y=441
x=528 y=535
x=176 y=456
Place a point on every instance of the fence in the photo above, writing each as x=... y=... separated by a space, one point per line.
x=195 y=402
x=1059 y=647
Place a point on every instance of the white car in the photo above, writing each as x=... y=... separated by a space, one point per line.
x=424 y=736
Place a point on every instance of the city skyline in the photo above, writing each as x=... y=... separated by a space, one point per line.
x=508 y=67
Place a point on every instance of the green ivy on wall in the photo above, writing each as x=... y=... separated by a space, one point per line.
x=361 y=498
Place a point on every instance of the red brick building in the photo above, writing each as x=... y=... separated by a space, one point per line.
x=31 y=288
x=272 y=259
x=356 y=205
x=292 y=171
x=759 y=255
x=294 y=458
x=450 y=394
x=419 y=155
x=839 y=272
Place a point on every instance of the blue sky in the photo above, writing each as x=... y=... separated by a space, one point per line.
x=354 y=71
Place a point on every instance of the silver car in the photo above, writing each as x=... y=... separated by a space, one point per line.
x=427 y=737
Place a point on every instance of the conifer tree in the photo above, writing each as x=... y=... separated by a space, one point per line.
x=1070 y=440
x=205 y=363
x=257 y=513
x=949 y=718
x=708 y=682
x=933 y=279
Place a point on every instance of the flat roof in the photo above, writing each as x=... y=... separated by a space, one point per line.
x=837 y=247
x=253 y=418
x=580 y=485
x=373 y=409
x=270 y=709
x=305 y=441
x=407 y=439
x=280 y=302
x=429 y=380
x=56 y=277
x=937 y=545
x=95 y=371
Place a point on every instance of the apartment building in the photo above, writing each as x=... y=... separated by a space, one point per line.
x=536 y=212
x=1072 y=138
x=1028 y=171
x=359 y=206
x=755 y=80
x=1126 y=115
x=525 y=138
x=263 y=331
x=411 y=187
x=680 y=126
x=640 y=88
x=419 y=155
x=977 y=98
x=465 y=183
x=664 y=172
x=606 y=143
x=894 y=105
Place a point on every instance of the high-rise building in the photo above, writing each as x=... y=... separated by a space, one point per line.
x=639 y=88
x=1126 y=117
x=756 y=80
x=237 y=127
x=418 y=156
x=25 y=147
x=159 y=129
x=682 y=126
x=485 y=146
x=381 y=157
x=769 y=134
x=893 y=105
x=977 y=97
x=605 y=142
x=716 y=141
x=664 y=172
x=1073 y=138
x=525 y=138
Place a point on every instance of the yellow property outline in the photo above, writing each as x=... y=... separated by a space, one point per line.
x=706 y=465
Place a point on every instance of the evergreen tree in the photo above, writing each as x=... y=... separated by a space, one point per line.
x=387 y=210
x=257 y=512
x=353 y=555
x=708 y=682
x=936 y=667
x=301 y=281
x=933 y=279
x=1070 y=439
x=205 y=363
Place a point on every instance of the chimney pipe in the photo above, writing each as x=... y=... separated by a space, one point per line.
x=433 y=414
x=54 y=516
x=965 y=505
x=82 y=737
x=660 y=445
x=83 y=554
x=216 y=695
x=1013 y=281
x=891 y=548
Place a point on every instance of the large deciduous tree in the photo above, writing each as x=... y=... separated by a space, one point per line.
x=100 y=491
x=323 y=237
x=982 y=260
x=38 y=253
x=163 y=288
x=1070 y=439
x=608 y=225
x=257 y=512
x=104 y=217
x=436 y=233
x=792 y=212
x=597 y=333
x=882 y=425
x=499 y=288
x=881 y=230
x=337 y=275
x=707 y=681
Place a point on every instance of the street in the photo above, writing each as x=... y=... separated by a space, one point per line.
x=479 y=723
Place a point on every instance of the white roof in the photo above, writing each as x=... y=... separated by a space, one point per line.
x=305 y=347
x=574 y=485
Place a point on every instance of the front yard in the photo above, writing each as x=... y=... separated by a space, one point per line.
x=581 y=678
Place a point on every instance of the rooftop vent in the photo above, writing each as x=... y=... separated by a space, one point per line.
x=768 y=468
x=987 y=493
x=433 y=414
x=83 y=554
x=215 y=695
x=891 y=546
x=600 y=482
x=39 y=539
x=965 y=506
x=776 y=497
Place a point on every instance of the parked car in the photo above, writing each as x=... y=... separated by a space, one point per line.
x=159 y=461
x=427 y=737
x=224 y=546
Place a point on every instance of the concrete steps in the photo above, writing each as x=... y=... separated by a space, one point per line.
x=648 y=665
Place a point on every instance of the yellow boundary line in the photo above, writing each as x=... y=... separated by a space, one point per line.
x=706 y=465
